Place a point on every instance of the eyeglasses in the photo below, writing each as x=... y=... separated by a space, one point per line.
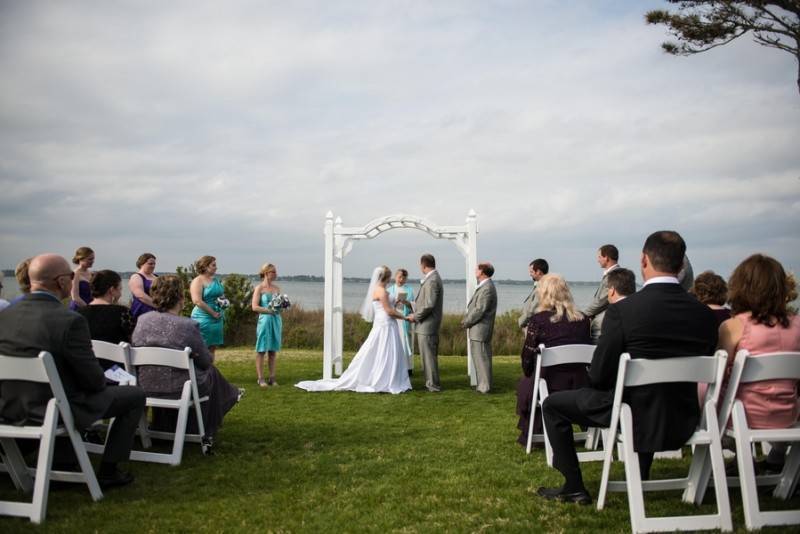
x=71 y=275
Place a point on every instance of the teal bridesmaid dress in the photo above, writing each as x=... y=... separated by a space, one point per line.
x=269 y=329
x=210 y=328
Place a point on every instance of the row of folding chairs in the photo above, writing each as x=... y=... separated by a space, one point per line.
x=707 y=467
x=58 y=421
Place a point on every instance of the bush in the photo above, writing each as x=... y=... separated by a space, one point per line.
x=239 y=315
x=303 y=329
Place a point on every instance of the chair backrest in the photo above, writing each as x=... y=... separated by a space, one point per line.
x=642 y=371
x=746 y=369
x=109 y=351
x=550 y=356
x=178 y=359
x=41 y=369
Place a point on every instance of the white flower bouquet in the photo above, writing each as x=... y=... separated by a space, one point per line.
x=223 y=303
x=279 y=303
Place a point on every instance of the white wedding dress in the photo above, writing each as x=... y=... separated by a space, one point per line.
x=380 y=365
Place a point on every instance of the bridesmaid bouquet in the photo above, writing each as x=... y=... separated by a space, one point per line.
x=223 y=302
x=279 y=302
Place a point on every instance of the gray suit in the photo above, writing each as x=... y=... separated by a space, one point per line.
x=600 y=301
x=528 y=308
x=479 y=319
x=428 y=314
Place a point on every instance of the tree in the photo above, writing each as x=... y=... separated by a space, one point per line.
x=700 y=25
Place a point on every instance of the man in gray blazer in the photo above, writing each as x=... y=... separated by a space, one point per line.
x=607 y=257
x=40 y=322
x=428 y=316
x=479 y=319
x=537 y=269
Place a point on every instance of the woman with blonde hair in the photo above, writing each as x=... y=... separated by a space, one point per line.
x=82 y=280
x=270 y=324
x=205 y=291
x=556 y=322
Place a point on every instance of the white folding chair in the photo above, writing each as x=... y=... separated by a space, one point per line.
x=189 y=398
x=747 y=369
x=119 y=354
x=549 y=357
x=41 y=369
x=705 y=442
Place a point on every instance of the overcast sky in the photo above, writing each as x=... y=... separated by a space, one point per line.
x=231 y=128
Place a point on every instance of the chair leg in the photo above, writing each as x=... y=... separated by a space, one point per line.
x=144 y=436
x=633 y=477
x=790 y=474
x=534 y=402
x=609 y=437
x=747 y=475
x=86 y=465
x=41 y=483
x=15 y=464
x=718 y=469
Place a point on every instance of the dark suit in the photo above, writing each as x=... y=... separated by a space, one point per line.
x=39 y=322
x=660 y=321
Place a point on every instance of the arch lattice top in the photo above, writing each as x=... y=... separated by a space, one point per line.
x=390 y=222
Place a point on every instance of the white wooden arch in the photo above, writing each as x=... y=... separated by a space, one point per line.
x=339 y=242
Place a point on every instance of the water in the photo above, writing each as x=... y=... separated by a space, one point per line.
x=310 y=294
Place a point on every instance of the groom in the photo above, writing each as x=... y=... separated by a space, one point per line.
x=428 y=316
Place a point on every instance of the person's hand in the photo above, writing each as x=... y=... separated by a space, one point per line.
x=410 y=318
x=217 y=315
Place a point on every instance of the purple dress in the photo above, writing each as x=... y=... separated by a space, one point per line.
x=85 y=292
x=137 y=306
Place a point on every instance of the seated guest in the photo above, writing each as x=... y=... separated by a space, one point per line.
x=556 y=322
x=711 y=289
x=3 y=302
x=759 y=292
x=108 y=321
x=660 y=321
x=39 y=322
x=166 y=328
x=621 y=283
x=23 y=280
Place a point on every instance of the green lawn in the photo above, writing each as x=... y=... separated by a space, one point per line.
x=292 y=461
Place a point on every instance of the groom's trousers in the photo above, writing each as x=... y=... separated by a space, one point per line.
x=429 y=350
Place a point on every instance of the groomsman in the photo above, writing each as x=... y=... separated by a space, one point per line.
x=479 y=320
x=607 y=257
x=428 y=316
x=537 y=269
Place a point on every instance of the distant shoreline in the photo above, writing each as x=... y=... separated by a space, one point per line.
x=9 y=274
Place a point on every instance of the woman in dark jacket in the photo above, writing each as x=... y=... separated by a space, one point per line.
x=556 y=322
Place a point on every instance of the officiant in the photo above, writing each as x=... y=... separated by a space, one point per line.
x=404 y=295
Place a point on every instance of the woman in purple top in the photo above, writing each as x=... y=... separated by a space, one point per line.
x=140 y=283
x=556 y=322
x=82 y=280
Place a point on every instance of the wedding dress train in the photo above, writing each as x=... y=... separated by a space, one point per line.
x=380 y=365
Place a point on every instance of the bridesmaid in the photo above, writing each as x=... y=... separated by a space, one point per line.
x=404 y=294
x=204 y=290
x=82 y=281
x=270 y=324
x=140 y=283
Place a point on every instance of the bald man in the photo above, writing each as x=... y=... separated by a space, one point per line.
x=40 y=322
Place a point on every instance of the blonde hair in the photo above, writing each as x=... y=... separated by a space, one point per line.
x=267 y=267
x=554 y=295
x=81 y=254
x=203 y=263
x=386 y=274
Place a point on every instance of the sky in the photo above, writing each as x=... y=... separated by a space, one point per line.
x=232 y=128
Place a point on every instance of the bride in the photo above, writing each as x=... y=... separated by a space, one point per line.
x=380 y=364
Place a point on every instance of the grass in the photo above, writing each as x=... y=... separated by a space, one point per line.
x=292 y=461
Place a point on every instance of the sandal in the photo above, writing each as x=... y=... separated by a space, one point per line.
x=262 y=383
x=272 y=382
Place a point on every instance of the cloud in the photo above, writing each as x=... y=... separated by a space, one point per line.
x=231 y=129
